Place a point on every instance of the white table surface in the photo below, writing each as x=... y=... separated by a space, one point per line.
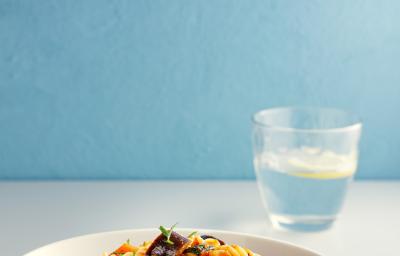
x=36 y=213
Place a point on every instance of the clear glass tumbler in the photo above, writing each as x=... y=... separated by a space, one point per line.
x=304 y=159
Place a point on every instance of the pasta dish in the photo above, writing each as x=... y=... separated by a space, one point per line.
x=170 y=243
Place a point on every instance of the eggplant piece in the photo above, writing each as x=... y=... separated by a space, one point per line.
x=160 y=247
x=198 y=249
x=212 y=237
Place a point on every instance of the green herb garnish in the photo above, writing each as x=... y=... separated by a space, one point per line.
x=192 y=234
x=128 y=241
x=167 y=233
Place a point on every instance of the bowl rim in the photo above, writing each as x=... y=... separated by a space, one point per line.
x=106 y=233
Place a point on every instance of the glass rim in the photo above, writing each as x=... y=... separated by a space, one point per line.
x=354 y=125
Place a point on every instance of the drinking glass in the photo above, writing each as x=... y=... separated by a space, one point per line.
x=304 y=159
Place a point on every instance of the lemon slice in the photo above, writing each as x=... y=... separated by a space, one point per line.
x=323 y=175
x=323 y=168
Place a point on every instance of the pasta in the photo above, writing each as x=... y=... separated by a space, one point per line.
x=170 y=243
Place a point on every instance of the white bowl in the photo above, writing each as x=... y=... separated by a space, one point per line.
x=97 y=244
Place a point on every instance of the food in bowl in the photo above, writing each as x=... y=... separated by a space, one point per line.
x=171 y=243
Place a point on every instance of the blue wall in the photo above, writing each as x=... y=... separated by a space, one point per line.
x=165 y=89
